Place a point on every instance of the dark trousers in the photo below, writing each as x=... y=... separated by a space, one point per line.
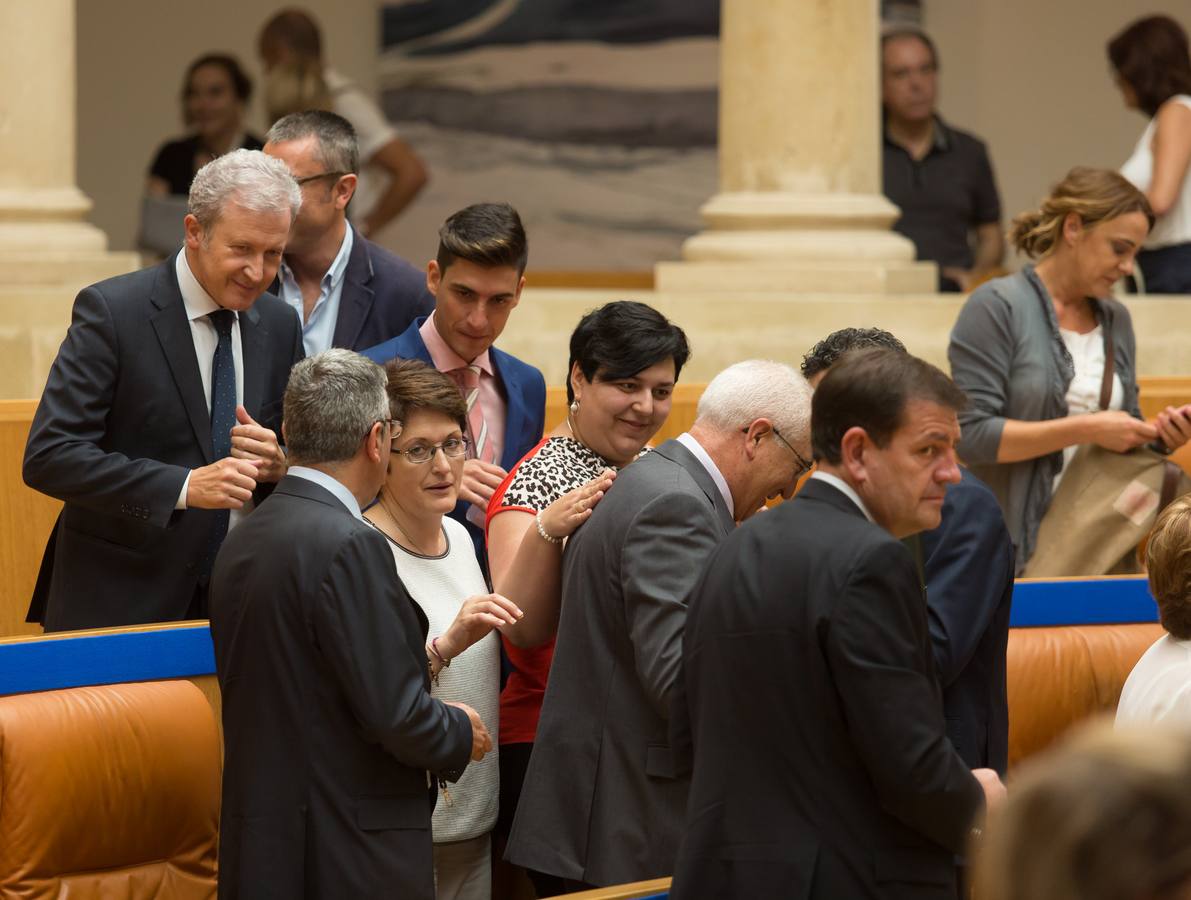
x=1166 y=270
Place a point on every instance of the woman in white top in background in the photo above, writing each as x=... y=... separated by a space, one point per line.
x=1152 y=65
x=436 y=562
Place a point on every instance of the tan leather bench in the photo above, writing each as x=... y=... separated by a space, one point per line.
x=109 y=791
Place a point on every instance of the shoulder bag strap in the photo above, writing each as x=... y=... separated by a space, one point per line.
x=1109 y=362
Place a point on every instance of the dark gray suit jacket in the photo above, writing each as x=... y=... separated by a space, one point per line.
x=601 y=803
x=329 y=727
x=122 y=420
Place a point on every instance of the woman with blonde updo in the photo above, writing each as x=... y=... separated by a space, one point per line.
x=1106 y=816
x=1029 y=350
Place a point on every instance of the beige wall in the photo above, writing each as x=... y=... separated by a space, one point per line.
x=131 y=58
x=1031 y=77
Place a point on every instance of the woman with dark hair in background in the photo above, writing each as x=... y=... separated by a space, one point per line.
x=1029 y=350
x=625 y=358
x=215 y=94
x=1152 y=65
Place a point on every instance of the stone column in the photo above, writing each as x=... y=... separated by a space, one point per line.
x=47 y=249
x=800 y=206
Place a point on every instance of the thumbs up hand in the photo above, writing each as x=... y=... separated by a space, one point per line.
x=257 y=444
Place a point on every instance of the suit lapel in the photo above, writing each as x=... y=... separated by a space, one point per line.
x=355 y=300
x=172 y=327
x=516 y=415
x=680 y=455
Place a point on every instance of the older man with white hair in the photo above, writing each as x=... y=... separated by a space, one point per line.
x=158 y=424
x=604 y=799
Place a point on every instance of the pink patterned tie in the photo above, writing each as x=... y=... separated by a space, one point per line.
x=468 y=378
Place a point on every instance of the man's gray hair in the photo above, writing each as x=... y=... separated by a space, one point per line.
x=338 y=149
x=247 y=178
x=757 y=389
x=331 y=402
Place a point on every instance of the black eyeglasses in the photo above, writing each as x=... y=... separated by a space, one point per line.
x=307 y=179
x=804 y=465
x=452 y=448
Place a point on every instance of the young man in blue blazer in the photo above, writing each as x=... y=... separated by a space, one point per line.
x=476 y=279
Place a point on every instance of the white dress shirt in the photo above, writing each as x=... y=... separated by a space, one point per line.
x=712 y=469
x=202 y=331
x=318 y=330
x=330 y=483
x=843 y=487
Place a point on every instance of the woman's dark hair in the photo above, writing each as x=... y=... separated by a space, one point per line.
x=621 y=338
x=413 y=386
x=1152 y=57
x=241 y=83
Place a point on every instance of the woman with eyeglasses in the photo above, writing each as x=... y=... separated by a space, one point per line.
x=625 y=358
x=435 y=560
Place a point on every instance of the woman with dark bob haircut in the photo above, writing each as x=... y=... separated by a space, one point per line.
x=1152 y=64
x=625 y=359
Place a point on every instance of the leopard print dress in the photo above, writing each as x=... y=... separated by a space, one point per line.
x=554 y=467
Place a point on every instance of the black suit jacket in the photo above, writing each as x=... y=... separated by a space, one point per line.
x=821 y=765
x=603 y=802
x=382 y=294
x=968 y=565
x=122 y=420
x=329 y=728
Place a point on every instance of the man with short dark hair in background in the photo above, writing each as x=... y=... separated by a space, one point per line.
x=938 y=176
x=347 y=291
x=329 y=727
x=157 y=426
x=821 y=764
x=476 y=279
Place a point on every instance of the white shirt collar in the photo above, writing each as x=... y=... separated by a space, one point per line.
x=336 y=487
x=712 y=469
x=844 y=488
x=198 y=302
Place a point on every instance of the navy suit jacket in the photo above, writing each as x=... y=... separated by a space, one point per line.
x=524 y=390
x=121 y=422
x=968 y=568
x=382 y=294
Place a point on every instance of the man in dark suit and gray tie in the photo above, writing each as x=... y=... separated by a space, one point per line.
x=158 y=424
x=810 y=707
x=603 y=800
x=347 y=291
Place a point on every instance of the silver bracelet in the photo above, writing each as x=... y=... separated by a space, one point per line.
x=542 y=531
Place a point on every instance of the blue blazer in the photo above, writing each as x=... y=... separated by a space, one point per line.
x=968 y=568
x=382 y=294
x=524 y=389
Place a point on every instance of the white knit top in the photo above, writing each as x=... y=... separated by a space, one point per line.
x=440 y=584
